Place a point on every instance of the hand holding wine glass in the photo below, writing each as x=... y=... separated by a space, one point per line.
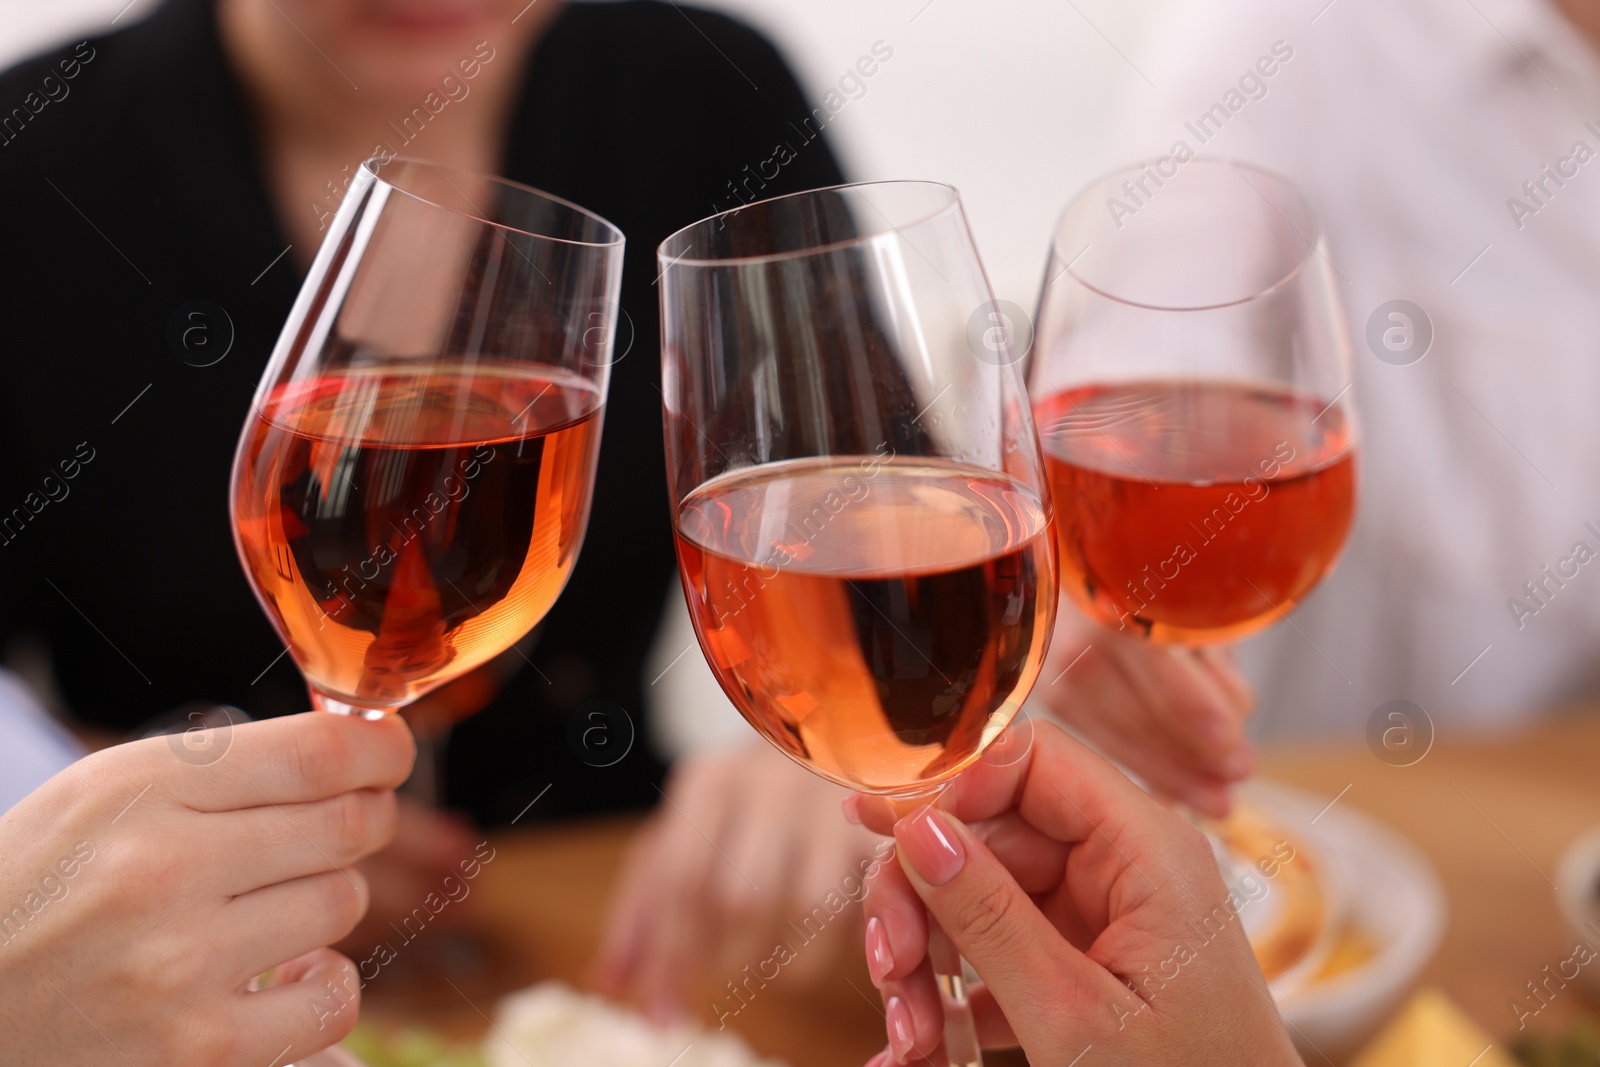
x=162 y=878
x=1080 y=898
x=411 y=491
x=1190 y=375
x=863 y=525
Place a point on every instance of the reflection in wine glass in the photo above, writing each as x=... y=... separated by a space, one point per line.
x=862 y=518
x=412 y=485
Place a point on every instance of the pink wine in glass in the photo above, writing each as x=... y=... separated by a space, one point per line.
x=406 y=525
x=1195 y=512
x=879 y=620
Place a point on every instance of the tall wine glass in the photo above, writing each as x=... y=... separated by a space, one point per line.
x=1190 y=374
x=412 y=484
x=862 y=517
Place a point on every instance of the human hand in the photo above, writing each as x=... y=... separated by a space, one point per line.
x=1095 y=915
x=1174 y=716
x=146 y=886
x=745 y=840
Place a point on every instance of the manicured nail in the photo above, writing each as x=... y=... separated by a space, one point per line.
x=930 y=846
x=664 y=1010
x=880 y=960
x=852 y=809
x=882 y=1059
x=1219 y=732
x=901 y=1042
x=1238 y=764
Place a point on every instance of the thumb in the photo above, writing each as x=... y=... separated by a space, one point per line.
x=1040 y=981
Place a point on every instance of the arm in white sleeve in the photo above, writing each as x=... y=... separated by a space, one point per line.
x=33 y=746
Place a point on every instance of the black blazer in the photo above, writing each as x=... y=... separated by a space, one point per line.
x=131 y=186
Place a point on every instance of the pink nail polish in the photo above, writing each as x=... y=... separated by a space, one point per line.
x=880 y=960
x=1238 y=764
x=930 y=846
x=901 y=1041
x=852 y=809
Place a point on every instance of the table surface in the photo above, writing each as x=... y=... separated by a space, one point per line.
x=1492 y=815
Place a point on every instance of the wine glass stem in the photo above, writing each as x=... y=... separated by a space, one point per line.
x=960 y=1030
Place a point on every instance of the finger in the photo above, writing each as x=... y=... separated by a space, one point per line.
x=1042 y=981
x=290 y=760
x=278 y=842
x=615 y=966
x=1187 y=702
x=993 y=1029
x=1102 y=704
x=1035 y=859
x=291 y=918
x=313 y=1005
x=913 y=1016
x=897 y=925
x=1223 y=664
x=764 y=848
x=430 y=840
x=676 y=937
x=1164 y=767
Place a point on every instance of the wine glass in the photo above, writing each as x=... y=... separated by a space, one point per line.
x=1190 y=374
x=861 y=512
x=412 y=485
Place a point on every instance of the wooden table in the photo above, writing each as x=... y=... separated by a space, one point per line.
x=1492 y=815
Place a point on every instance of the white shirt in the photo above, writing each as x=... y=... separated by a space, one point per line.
x=33 y=746
x=1410 y=124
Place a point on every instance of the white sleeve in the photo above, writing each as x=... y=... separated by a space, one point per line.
x=686 y=708
x=33 y=746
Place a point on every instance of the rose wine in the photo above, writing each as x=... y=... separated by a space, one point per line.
x=880 y=620
x=1195 y=512
x=404 y=526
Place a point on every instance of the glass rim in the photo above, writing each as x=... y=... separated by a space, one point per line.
x=1313 y=240
x=668 y=260
x=374 y=165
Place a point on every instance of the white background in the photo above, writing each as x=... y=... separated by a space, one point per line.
x=1010 y=100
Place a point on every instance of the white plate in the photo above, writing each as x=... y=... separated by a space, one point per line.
x=1393 y=896
x=1577 y=875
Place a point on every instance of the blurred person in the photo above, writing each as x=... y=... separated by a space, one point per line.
x=1095 y=914
x=1449 y=151
x=172 y=182
x=128 y=934
x=33 y=746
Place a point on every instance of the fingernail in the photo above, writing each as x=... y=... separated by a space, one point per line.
x=901 y=1042
x=929 y=845
x=1218 y=731
x=664 y=1010
x=1238 y=764
x=880 y=960
x=852 y=809
x=882 y=1059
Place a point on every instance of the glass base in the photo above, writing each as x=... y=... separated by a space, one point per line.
x=323 y=702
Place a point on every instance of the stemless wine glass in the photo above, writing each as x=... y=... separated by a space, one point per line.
x=1190 y=374
x=862 y=517
x=412 y=484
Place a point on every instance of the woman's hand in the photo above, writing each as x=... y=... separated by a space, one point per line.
x=145 y=886
x=1173 y=716
x=1095 y=915
x=745 y=841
